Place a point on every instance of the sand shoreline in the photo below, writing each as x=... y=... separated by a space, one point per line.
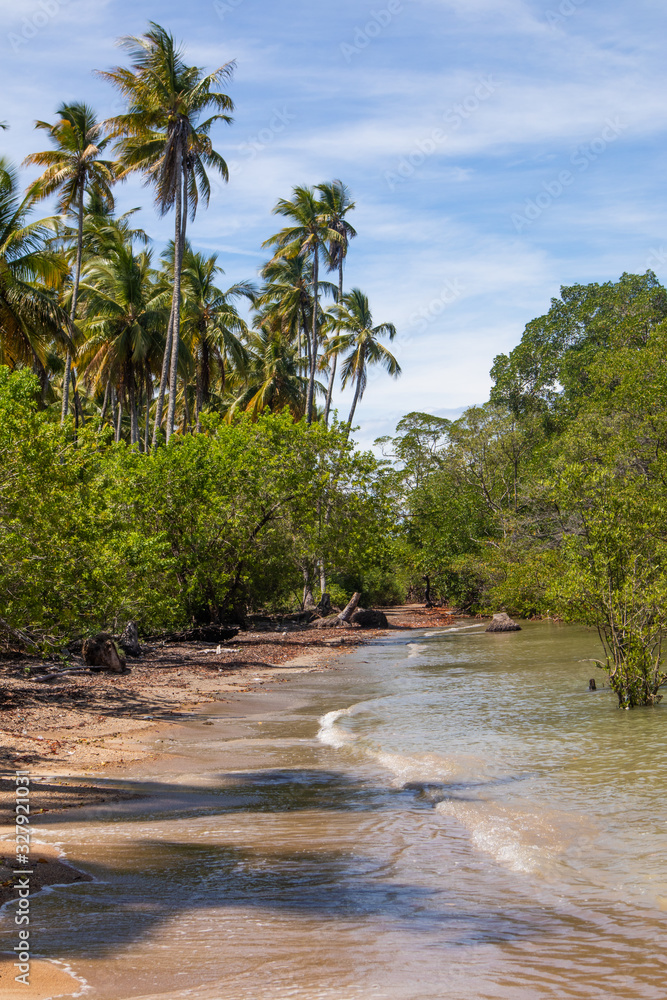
x=101 y=753
x=81 y=746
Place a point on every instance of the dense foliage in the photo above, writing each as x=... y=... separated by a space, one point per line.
x=93 y=533
x=551 y=499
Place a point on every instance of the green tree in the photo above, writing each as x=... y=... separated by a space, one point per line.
x=124 y=312
x=30 y=317
x=271 y=379
x=212 y=327
x=163 y=136
x=360 y=339
x=307 y=236
x=336 y=203
x=72 y=168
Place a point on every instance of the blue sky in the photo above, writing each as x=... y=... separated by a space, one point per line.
x=497 y=149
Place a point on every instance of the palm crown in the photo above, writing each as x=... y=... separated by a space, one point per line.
x=357 y=336
x=73 y=167
x=165 y=134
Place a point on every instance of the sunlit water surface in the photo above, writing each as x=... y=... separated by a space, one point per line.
x=449 y=814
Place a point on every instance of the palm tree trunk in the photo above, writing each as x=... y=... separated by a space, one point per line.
x=105 y=402
x=332 y=376
x=357 y=394
x=181 y=172
x=119 y=422
x=163 y=378
x=203 y=379
x=134 y=416
x=159 y=406
x=313 y=339
x=149 y=399
x=75 y=296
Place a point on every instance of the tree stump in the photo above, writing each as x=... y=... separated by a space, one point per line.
x=129 y=640
x=101 y=651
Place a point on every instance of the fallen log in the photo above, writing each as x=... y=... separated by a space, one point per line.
x=350 y=608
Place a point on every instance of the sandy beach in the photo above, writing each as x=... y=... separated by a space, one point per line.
x=73 y=730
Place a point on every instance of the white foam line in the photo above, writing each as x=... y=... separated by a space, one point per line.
x=456 y=628
x=332 y=735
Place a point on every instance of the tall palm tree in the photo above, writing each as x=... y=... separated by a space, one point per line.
x=30 y=317
x=287 y=295
x=336 y=203
x=272 y=378
x=163 y=136
x=73 y=167
x=212 y=327
x=124 y=312
x=308 y=233
x=359 y=338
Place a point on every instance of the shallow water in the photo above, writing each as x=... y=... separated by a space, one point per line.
x=449 y=814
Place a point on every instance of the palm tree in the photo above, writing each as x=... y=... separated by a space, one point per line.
x=307 y=236
x=30 y=317
x=212 y=327
x=336 y=203
x=287 y=296
x=72 y=168
x=124 y=311
x=358 y=336
x=272 y=378
x=162 y=136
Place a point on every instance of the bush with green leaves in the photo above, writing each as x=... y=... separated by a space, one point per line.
x=93 y=533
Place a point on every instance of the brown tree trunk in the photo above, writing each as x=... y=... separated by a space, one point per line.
x=134 y=416
x=75 y=296
x=313 y=337
x=334 y=363
x=181 y=200
x=149 y=399
x=350 y=608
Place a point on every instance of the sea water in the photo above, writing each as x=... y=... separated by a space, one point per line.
x=447 y=814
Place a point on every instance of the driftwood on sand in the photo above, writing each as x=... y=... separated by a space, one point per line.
x=342 y=619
